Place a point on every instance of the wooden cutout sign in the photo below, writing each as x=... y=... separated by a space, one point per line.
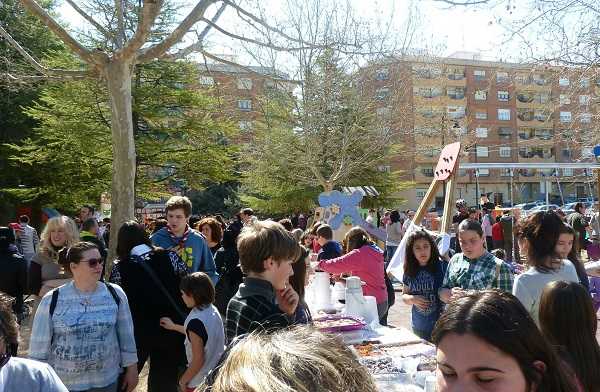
x=447 y=162
x=445 y=169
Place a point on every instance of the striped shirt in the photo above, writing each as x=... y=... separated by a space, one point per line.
x=88 y=338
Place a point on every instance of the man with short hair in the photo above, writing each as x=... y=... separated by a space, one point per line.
x=247 y=216
x=330 y=249
x=28 y=239
x=189 y=244
x=86 y=212
x=89 y=233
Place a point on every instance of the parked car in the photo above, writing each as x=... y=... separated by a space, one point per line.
x=544 y=207
x=528 y=206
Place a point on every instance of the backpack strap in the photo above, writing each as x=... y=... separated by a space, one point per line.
x=53 y=302
x=113 y=292
x=54 y=299
x=498 y=267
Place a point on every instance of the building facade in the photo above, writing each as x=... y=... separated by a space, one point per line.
x=500 y=112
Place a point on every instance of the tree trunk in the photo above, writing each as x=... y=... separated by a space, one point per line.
x=118 y=76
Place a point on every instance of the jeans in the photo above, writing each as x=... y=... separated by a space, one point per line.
x=389 y=252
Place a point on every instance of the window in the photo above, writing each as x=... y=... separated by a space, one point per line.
x=427 y=92
x=245 y=104
x=245 y=125
x=504 y=114
x=565 y=117
x=563 y=82
x=503 y=96
x=384 y=168
x=479 y=74
x=585 y=118
x=542 y=115
x=207 y=81
x=481 y=115
x=384 y=113
x=564 y=99
x=427 y=171
x=456 y=112
x=382 y=74
x=505 y=133
x=584 y=83
x=456 y=73
x=540 y=79
x=565 y=153
x=244 y=84
x=505 y=172
x=543 y=134
x=541 y=98
x=420 y=193
x=504 y=152
x=481 y=132
x=483 y=173
x=482 y=151
x=524 y=79
x=568 y=172
x=502 y=77
x=480 y=95
x=269 y=84
x=584 y=99
x=456 y=92
x=382 y=93
x=425 y=72
x=587 y=152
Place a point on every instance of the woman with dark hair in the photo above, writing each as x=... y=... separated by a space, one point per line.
x=394 y=234
x=568 y=321
x=566 y=248
x=487 y=341
x=227 y=262
x=212 y=231
x=365 y=260
x=538 y=235
x=423 y=275
x=299 y=280
x=83 y=329
x=149 y=276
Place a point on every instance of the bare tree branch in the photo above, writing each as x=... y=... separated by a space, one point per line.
x=92 y=21
x=214 y=19
x=184 y=27
x=39 y=67
x=150 y=11
x=80 y=50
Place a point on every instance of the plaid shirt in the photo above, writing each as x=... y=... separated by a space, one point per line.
x=479 y=274
x=252 y=307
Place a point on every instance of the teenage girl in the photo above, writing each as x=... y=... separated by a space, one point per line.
x=423 y=276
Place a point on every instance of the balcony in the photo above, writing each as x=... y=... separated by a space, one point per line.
x=536 y=154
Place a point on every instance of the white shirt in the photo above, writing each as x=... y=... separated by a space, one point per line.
x=529 y=285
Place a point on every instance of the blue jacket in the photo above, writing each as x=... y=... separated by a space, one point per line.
x=330 y=250
x=196 y=253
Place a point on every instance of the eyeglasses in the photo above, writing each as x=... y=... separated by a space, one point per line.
x=93 y=262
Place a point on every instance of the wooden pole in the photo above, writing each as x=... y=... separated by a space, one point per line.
x=448 y=204
x=431 y=192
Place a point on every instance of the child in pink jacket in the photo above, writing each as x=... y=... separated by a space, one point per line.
x=365 y=260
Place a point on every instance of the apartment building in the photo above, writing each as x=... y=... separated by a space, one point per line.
x=501 y=112
x=241 y=90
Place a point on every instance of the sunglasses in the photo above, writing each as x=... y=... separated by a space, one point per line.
x=93 y=262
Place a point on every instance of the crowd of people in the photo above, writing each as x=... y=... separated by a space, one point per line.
x=220 y=306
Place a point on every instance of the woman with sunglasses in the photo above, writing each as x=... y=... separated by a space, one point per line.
x=83 y=329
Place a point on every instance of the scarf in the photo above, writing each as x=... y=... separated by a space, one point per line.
x=180 y=241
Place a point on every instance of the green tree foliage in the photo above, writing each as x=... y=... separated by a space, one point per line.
x=180 y=140
x=329 y=137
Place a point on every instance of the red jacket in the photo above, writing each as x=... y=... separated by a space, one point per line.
x=366 y=263
x=497 y=232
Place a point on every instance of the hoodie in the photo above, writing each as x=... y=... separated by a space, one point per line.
x=330 y=250
x=196 y=253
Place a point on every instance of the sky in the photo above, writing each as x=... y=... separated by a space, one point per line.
x=448 y=29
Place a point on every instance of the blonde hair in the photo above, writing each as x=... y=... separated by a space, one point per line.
x=298 y=359
x=58 y=222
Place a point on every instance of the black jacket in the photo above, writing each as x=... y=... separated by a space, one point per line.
x=13 y=277
x=147 y=301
